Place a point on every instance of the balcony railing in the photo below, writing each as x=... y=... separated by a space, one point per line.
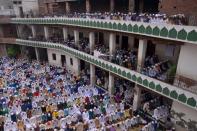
x=5 y=20
x=170 y=91
x=186 y=83
x=164 y=31
x=7 y=40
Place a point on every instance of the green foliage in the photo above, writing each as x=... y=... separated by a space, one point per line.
x=171 y=73
x=13 y=50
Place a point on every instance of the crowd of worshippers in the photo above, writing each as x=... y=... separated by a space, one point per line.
x=103 y=49
x=83 y=44
x=158 y=108
x=125 y=58
x=156 y=69
x=152 y=105
x=124 y=90
x=101 y=77
x=152 y=66
x=42 y=97
x=178 y=19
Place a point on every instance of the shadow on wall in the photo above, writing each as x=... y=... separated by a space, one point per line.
x=179 y=118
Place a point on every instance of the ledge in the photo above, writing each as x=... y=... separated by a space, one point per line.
x=185 y=97
x=53 y=1
x=7 y=40
x=5 y=20
x=187 y=34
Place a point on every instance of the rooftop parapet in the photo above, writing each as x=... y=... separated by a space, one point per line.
x=52 y=1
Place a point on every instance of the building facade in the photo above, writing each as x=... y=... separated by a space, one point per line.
x=172 y=44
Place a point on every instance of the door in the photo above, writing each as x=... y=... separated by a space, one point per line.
x=82 y=64
x=101 y=38
x=124 y=42
x=63 y=60
x=150 y=51
x=21 y=14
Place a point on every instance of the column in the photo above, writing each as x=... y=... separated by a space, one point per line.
x=140 y=62
x=33 y=29
x=112 y=43
x=111 y=84
x=77 y=66
x=137 y=97
x=106 y=82
x=131 y=41
x=88 y=6
x=3 y=50
x=112 y=5
x=19 y=31
x=141 y=6
x=50 y=8
x=131 y=7
x=141 y=54
x=76 y=36
x=92 y=41
x=46 y=8
x=67 y=7
x=1 y=32
x=46 y=32
x=24 y=51
x=65 y=33
x=37 y=54
x=92 y=75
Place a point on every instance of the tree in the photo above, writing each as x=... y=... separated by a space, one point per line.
x=13 y=51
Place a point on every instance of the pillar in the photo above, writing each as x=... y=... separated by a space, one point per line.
x=112 y=5
x=77 y=66
x=131 y=41
x=140 y=62
x=33 y=29
x=141 y=6
x=76 y=36
x=131 y=7
x=19 y=31
x=112 y=43
x=106 y=84
x=50 y=8
x=46 y=32
x=24 y=51
x=46 y=8
x=3 y=50
x=141 y=54
x=137 y=97
x=92 y=75
x=65 y=33
x=111 y=84
x=92 y=41
x=1 y=32
x=67 y=7
x=37 y=54
x=88 y=6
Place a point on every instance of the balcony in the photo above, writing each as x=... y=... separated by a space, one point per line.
x=186 y=83
x=5 y=20
x=7 y=40
x=162 y=88
x=186 y=34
